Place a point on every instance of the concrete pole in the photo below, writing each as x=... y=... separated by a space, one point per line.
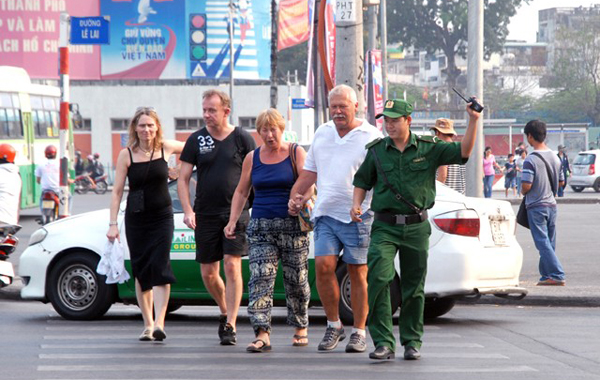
x=63 y=151
x=384 y=69
x=349 y=52
x=372 y=27
x=475 y=88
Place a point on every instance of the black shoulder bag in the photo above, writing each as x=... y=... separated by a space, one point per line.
x=522 y=218
x=135 y=200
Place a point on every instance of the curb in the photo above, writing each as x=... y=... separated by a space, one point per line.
x=517 y=201
x=563 y=301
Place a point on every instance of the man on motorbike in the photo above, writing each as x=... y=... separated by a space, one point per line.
x=48 y=175
x=95 y=168
x=10 y=185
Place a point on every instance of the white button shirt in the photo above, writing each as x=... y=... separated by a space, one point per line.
x=336 y=159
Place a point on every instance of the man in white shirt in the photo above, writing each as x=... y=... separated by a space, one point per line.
x=10 y=185
x=335 y=155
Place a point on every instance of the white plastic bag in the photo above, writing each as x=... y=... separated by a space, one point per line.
x=112 y=263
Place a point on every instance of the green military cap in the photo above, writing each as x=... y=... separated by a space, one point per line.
x=396 y=108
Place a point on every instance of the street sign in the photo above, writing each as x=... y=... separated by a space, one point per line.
x=89 y=31
x=298 y=103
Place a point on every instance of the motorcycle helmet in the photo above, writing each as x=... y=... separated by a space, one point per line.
x=8 y=153
x=90 y=157
x=50 y=151
x=96 y=155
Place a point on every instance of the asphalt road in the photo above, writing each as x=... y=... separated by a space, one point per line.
x=482 y=342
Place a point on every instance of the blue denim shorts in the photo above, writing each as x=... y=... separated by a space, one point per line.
x=332 y=236
x=510 y=183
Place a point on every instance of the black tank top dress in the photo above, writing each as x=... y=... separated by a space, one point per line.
x=150 y=232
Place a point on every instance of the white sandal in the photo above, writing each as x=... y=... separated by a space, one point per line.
x=146 y=335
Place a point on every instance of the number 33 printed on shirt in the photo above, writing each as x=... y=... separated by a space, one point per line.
x=206 y=144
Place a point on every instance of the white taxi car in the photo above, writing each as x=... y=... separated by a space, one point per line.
x=473 y=252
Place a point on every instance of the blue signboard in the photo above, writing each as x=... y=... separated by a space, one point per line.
x=89 y=31
x=298 y=103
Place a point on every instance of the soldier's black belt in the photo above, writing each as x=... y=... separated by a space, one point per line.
x=401 y=219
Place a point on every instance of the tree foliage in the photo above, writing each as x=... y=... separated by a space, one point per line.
x=291 y=60
x=576 y=69
x=433 y=25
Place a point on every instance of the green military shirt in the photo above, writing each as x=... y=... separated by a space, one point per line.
x=412 y=172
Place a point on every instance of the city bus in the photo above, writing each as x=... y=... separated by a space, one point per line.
x=29 y=121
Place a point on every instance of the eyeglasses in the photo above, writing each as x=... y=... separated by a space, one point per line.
x=145 y=109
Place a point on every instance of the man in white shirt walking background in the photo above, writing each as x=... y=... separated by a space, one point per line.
x=335 y=155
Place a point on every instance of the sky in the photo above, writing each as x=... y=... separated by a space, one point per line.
x=524 y=25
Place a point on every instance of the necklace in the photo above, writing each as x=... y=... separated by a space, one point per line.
x=146 y=152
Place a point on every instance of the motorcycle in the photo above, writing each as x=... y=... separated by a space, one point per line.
x=50 y=202
x=83 y=183
x=8 y=244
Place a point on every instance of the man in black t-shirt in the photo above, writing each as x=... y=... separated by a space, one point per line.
x=218 y=152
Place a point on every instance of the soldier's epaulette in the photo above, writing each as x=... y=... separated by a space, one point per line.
x=431 y=139
x=373 y=143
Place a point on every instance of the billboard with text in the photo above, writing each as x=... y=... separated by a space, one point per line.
x=29 y=32
x=149 y=39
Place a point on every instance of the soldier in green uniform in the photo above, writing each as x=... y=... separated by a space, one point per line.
x=400 y=169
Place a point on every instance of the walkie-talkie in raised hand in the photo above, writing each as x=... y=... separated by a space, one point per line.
x=475 y=106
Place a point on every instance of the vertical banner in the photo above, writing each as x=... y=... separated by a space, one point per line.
x=330 y=37
x=294 y=22
x=29 y=31
x=329 y=42
x=374 y=84
x=144 y=40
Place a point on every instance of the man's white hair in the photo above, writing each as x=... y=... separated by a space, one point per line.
x=343 y=89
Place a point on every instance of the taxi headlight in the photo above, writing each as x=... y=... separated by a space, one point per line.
x=38 y=236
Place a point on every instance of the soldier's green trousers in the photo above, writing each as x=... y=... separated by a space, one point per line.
x=412 y=243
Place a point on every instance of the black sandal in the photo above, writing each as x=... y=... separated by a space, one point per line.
x=298 y=340
x=264 y=347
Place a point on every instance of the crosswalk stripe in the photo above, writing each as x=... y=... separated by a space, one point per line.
x=394 y=368
x=275 y=355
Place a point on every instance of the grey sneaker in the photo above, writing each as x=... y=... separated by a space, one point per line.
x=357 y=343
x=331 y=339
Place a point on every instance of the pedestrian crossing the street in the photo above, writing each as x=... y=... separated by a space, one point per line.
x=109 y=349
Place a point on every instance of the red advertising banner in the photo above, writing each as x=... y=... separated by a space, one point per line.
x=294 y=22
x=29 y=32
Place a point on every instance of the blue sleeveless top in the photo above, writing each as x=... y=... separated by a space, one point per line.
x=272 y=185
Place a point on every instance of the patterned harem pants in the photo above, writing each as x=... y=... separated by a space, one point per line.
x=272 y=240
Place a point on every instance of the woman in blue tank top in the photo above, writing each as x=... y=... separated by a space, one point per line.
x=273 y=235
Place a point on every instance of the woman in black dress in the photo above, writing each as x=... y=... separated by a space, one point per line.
x=149 y=232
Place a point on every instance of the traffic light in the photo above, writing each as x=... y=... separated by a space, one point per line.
x=198 y=50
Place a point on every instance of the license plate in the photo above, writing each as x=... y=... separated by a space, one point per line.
x=47 y=204
x=497 y=232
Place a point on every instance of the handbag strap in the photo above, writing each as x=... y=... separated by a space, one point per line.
x=387 y=183
x=550 y=177
x=292 y=154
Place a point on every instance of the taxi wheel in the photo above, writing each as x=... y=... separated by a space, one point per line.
x=76 y=291
x=577 y=189
x=597 y=185
x=436 y=307
x=345 y=308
